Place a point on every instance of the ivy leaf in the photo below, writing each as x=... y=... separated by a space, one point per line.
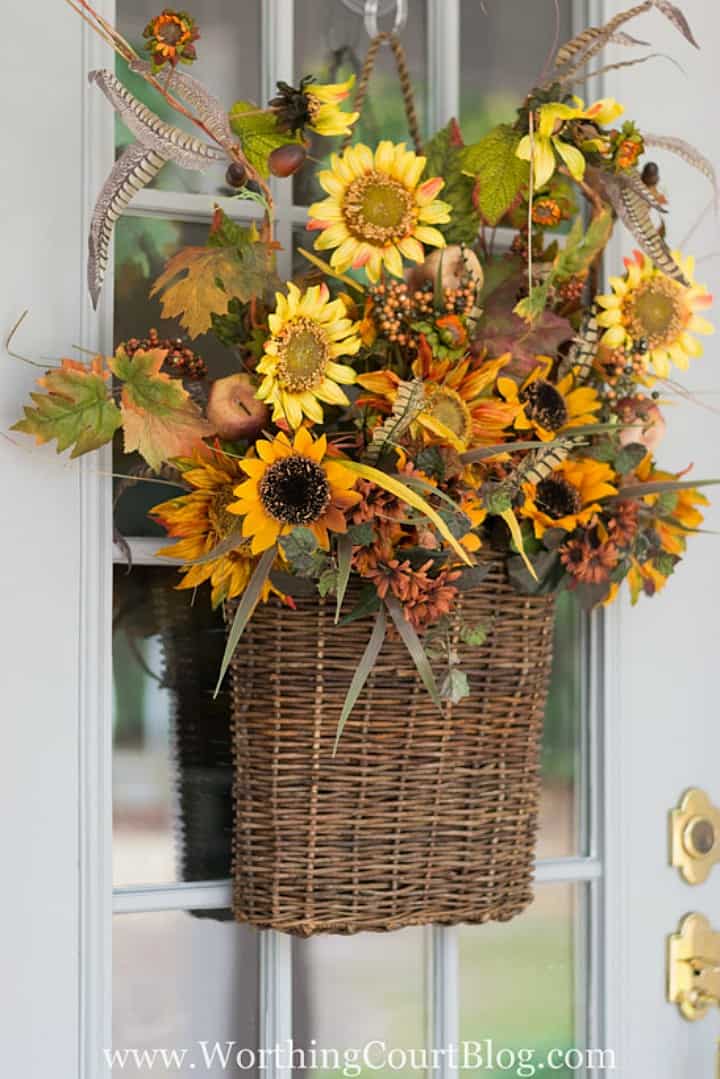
x=199 y=282
x=259 y=134
x=444 y=158
x=455 y=686
x=159 y=418
x=500 y=175
x=77 y=409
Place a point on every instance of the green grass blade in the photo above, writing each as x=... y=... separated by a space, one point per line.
x=245 y=609
x=344 y=550
x=414 y=646
x=362 y=672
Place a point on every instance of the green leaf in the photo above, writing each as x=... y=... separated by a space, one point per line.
x=302 y=552
x=474 y=636
x=77 y=409
x=443 y=153
x=500 y=175
x=455 y=686
x=471 y=577
x=414 y=646
x=292 y=585
x=259 y=134
x=629 y=457
x=327 y=581
x=361 y=535
x=368 y=603
x=362 y=672
x=245 y=609
x=344 y=552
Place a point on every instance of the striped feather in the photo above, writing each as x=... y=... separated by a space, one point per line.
x=581 y=357
x=194 y=94
x=634 y=212
x=586 y=45
x=407 y=405
x=133 y=170
x=538 y=465
x=168 y=141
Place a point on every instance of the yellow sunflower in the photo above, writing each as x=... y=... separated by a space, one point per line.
x=682 y=517
x=651 y=314
x=308 y=333
x=548 y=408
x=462 y=408
x=200 y=521
x=292 y=484
x=378 y=211
x=324 y=114
x=569 y=496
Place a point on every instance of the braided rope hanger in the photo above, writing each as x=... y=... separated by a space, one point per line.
x=392 y=39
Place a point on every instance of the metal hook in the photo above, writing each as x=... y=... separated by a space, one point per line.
x=371 y=16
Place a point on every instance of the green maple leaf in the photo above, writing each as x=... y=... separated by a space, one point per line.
x=159 y=418
x=500 y=175
x=77 y=410
x=444 y=157
x=259 y=134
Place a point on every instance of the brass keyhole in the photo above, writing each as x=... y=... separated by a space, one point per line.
x=699 y=838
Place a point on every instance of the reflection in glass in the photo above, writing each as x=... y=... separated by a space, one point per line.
x=502 y=49
x=178 y=981
x=517 y=981
x=228 y=64
x=172 y=762
x=560 y=821
x=142 y=247
x=331 y=42
x=349 y=991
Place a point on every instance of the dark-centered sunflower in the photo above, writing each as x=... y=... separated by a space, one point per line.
x=292 y=484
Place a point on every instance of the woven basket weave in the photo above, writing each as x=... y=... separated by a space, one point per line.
x=418 y=819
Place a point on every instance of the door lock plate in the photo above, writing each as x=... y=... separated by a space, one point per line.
x=694 y=967
x=695 y=836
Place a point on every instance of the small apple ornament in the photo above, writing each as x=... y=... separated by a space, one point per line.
x=234 y=410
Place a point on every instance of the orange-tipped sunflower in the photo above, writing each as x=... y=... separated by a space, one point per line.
x=291 y=485
x=462 y=408
x=650 y=314
x=200 y=522
x=308 y=335
x=378 y=212
x=548 y=408
x=569 y=496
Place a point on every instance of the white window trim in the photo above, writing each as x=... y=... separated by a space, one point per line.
x=602 y=871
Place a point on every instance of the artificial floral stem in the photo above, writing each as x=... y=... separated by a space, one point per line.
x=531 y=192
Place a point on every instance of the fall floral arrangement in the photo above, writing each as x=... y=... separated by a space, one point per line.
x=448 y=379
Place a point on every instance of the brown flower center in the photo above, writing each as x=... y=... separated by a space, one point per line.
x=557 y=498
x=303 y=355
x=379 y=209
x=656 y=312
x=221 y=521
x=295 y=490
x=448 y=407
x=545 y=404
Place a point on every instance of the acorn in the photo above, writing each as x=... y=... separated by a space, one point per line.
x=236 y=174
x=287 y=159
x=233 y=409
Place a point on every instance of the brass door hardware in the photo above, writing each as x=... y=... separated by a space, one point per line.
x=694 y=967
x=695 y=836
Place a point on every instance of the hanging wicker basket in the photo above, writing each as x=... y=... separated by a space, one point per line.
x=418 y=818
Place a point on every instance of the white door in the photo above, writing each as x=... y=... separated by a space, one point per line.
x=114 y=883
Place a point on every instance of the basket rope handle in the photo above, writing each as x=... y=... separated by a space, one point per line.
x=403 y=71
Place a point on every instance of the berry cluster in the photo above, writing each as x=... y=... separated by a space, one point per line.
x=396 y=307
x=181 y=361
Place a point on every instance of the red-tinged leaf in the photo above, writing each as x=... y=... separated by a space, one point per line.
x=501 y=330
x=77 y=410
x=159 y=418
